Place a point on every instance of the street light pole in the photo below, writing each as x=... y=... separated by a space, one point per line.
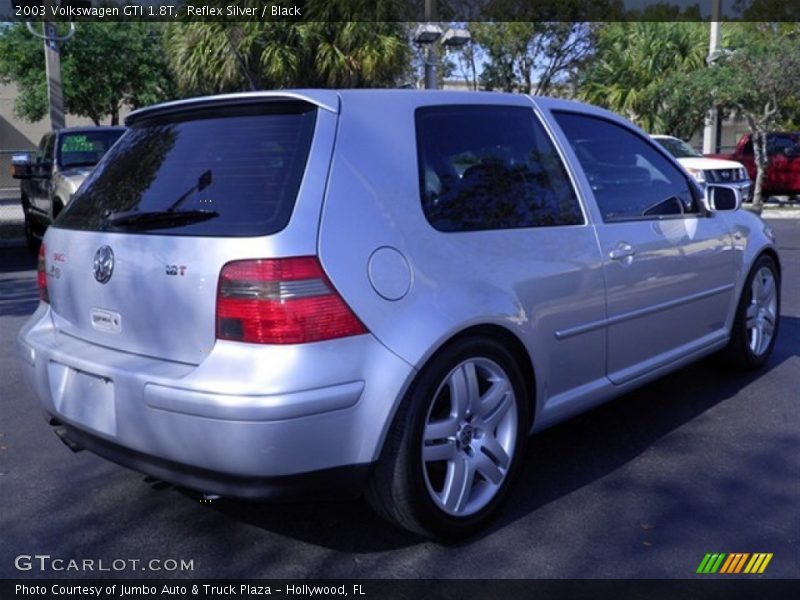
x=711 y=131
x=52 y=64
x=431 y=56
x=55 y=91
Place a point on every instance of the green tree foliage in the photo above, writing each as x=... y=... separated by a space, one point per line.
x=104 y=65
x=755 y=77
x=532 y=58
x=636 y=71
x=328 y=51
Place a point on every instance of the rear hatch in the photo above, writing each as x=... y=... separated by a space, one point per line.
x=133 y=262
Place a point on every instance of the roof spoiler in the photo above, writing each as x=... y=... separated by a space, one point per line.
x=325 y=99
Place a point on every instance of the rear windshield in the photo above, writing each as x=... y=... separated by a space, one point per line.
x=85 y=148
x=217 y=172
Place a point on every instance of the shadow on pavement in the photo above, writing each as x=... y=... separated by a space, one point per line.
x=19 y=296
x=16 y=260
x=559 y=461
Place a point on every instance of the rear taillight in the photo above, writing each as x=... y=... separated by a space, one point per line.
x=281 y=301
x=41 y=275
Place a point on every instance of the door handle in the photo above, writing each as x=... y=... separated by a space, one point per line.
x=621 y=251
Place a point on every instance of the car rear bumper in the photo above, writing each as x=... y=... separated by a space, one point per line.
x=337 y=483
x=244 y=422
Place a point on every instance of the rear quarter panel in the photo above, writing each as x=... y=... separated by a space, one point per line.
x=514 y=278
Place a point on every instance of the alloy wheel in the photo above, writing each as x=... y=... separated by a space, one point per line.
x=469 y=437
x=761 y=315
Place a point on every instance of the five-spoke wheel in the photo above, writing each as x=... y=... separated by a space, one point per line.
x=469 y=437
x=456 y=441
x=762 y=311
x=755 y=325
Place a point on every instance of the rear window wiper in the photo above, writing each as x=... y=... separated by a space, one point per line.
x=158 y=219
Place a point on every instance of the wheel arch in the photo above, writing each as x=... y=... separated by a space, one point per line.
x=770 y=251
x=502 y=335
x=517 y=349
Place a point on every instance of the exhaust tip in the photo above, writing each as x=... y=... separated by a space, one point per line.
x=63 y=435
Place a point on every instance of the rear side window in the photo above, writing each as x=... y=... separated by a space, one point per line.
x=491 y=167
x=232 y=171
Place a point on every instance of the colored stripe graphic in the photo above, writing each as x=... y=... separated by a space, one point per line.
x=711 y=563
x=734 y=563
x=758 y=563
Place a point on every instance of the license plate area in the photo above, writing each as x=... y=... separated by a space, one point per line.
x=83 y=398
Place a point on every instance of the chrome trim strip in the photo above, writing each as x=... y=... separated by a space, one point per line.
x=563 y=334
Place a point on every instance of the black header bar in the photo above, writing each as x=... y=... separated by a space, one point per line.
x=400 y=10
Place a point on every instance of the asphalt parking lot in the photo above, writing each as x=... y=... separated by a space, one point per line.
x=705 y=460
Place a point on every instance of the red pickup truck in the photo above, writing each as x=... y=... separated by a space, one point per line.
x=782 y=177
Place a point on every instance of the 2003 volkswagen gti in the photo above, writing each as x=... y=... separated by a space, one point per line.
x=271 y=294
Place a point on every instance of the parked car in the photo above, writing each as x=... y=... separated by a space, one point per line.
x=277 y=294
x=704 y=169
x=782 y=177
x=50 y=177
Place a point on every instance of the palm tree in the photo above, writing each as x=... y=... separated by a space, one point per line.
x=635 y=68
x=210 y=57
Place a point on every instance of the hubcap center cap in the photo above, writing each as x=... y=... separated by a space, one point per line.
x=465 y=435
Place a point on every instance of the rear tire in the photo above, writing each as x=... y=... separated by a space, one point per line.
x=755 y=326
x=456 y=442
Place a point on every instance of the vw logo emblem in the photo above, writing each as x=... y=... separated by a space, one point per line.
x=726 y=174
x=103 y=264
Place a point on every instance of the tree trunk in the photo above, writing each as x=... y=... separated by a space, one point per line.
x=760 y=152
x=473 y=70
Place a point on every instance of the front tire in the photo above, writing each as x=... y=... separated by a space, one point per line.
x=456 y=442
x=755 y=326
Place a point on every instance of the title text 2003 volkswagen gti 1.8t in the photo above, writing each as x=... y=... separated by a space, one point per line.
x=275 y=294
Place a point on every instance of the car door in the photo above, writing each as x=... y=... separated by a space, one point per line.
x=668 y=263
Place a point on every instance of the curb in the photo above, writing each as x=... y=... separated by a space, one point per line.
x=780 y=214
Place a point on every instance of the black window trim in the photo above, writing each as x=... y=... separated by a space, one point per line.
x=694 y=188
x=543 y=122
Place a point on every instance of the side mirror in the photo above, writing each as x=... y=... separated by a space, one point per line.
x=792 y=152
x=722 y=198
x=21 y=166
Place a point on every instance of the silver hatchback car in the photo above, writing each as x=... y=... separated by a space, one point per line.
x=280 y=294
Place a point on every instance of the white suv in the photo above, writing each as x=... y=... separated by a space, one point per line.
x=707 y=170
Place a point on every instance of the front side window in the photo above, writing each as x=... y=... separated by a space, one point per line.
x=491 y=167
x=630 y=178
x=45 y=152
